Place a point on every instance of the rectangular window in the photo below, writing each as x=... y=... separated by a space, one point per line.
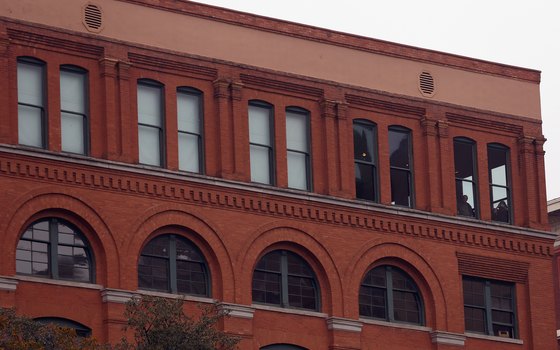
x=31 y=103
x=261 y=142
x=500 y=187
x=297 y=142
x=150 y=124
x=189 y=123
x=489 y=307
x=400 y=148
x=73 y=110
x=365 y=160
x=465 y=177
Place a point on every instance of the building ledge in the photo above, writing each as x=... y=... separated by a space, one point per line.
x=344 y=324
x=289 y=311
x=396 y=325
x=448 y=338
x=494 y=338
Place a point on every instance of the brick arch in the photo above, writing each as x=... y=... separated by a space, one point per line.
x=294 y=238
x=191 y=225
x=408 y=260
x=49 y=202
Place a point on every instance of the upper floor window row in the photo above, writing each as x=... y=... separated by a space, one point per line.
x=32 y=109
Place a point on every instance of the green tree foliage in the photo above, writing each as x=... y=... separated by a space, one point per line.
x=23 y=333
x=162 y=324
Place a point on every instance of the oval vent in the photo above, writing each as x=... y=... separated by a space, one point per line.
x=426 y=84
x=93 y=18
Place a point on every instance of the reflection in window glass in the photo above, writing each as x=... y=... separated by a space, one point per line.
x=365 y=158
x=401 y=166
x=54 y=249
x=465 y=177
x=73 y=110
x=150 y=123
x=31 y=104
x=498 y=168
x=261 y=142
x=189 y=126
x=298 y=155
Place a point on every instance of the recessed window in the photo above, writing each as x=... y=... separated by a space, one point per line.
x=284 y=279
x=189 y=123
x=171 y=263
x=400 y=155
x=297 y=141
x=53 y=248
x=500 y=186
x=261 y=142
x=489 y=307
x=73 y=109
x=31 y=102
x=365 y=160
x=388 y=293
x=282 y=347
x=466 y=189
x=150 y=123
x=80 y=329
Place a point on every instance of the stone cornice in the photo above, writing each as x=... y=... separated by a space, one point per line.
x=8 y=284
x=236 y=310
x=173 y=67
x=447 y=338
x=384 y=105
x=48 y=167
x=276 y=85
x=344 y=324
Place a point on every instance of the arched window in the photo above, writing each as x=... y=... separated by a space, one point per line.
x=171 y=263
x=80 y=329
x=54 y=248
x=282 y=347
x=284 y=279
x=389 y=294
x=365 y=160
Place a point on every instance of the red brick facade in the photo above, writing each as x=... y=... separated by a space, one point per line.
x=119 y=205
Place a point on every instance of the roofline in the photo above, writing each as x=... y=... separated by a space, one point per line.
x=332 y=37
x=553 y=205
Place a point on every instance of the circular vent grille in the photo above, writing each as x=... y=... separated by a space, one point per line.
x=93 y=18
x=426 y=84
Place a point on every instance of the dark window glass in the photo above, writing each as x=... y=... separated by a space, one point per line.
x=150 y=123
x=400 y=148
x=73 y=109
x=489 y=307
x=389 y=294
x=465 y=177
x=500 y=187
x=55 y=249
x=171 y=263
x=80 y=329
x=365 y=160
x=282 y=347
x=283 y=278
x=189 y=127
x=261 y=142
x=31 y=102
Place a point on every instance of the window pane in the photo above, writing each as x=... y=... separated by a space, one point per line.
x=158 y=246
x=153 y=273
x=365 y=181
x=497 y=160
x=189 y=152
x=364 y=145
x=72 y=127
x=298 y=266
x=464 y=161
x=465 y=198
x=473 y=292
x=297 y=170
x=72 y=92
x=191 y=278
x=475 y=320
x=400 y=187
x=296 y=132
x=270 y=262
x=399 y=149
x=266 y=288
x=373 y=302
x=185 y=250
x=30 y=83
x=406 y=307
x=188 y=112
x=301 y=292
x=149 y=145
x=260 y=164
x=149 y=105
x=259 y=125
x=30 y=126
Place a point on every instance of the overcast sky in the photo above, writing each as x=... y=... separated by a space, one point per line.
x=514 y=32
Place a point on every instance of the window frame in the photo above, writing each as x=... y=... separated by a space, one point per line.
x=187 y=90
x=488 y=308
x=410 y=170
x=507 y=187
x=284 y=284
x=474 y=182
x=308 y=171
x=161 y=129
x=52 y=254
x=389 y=295
x=271 y=147
x=374 y=163
x=171 y=261
x=86 y=115
x=27 y=60
x=81 y=330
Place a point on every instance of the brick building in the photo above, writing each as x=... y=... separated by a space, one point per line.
x=332 y=191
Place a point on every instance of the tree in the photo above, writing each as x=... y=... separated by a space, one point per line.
x=23 y=333
x=162 y=324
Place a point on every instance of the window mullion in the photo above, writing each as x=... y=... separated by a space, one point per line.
x=488 y=305
x=53 y=245
x=173 y=264
x=284 y=279
x=390 y=308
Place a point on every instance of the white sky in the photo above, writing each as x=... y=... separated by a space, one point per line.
x=519 y=33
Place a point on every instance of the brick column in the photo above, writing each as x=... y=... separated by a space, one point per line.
x=225 y=139
x=346 y=152
x=527 y=204
x=239 y=134
x=330 y=137
x=108 y=126
x=447 y=169
x=433 y=165
x=127 y=139
x=8 y=99
x=541 y=183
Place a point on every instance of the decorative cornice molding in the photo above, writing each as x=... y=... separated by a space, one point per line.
x=484 y=123
x=116 y=296
x=9 y=285
x=278 y=85
x=221 y=87
x=171 y=66
x=166 y=185
x=236 y=310
x=53 y=43
x=429 y=126
x=448 y=338
x=494 y=268
x=384 y=105
x=344 y=324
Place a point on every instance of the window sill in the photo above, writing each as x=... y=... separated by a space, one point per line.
x=185 y=297
x=289 y=311
x=57 y=282
x=395 y=325
x=494 y=338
